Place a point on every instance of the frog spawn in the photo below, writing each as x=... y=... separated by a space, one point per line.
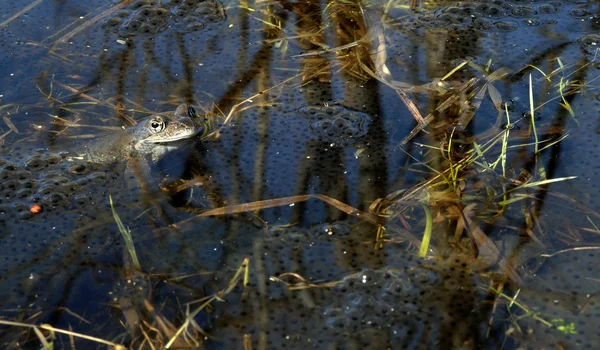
x=325 y=239
x=39 y=250
x=372 y=298
x=561 y=294
x=48 y=181
x=336 y=124
x=146 y=17
x=406 y=305
x=399 y=300
x=590 y=44
x=496 y=31
x=488 y=15
x=133 y=288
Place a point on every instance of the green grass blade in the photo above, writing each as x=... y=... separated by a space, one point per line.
x=505 y=140
x=427 y=233
x=514 y=199
x=532 y=111
x=545 y=182
x=126 y=235
x=591 y=222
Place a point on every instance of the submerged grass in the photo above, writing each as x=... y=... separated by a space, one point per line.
x=126 y=234
x=560 y=324
x=427 y=233
x=48 y=341
x=242 y=274
x=447 y=197
x=20 y=13
x=456 y=173
x=532 y=114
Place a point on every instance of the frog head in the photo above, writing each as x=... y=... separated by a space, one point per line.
x=170 y=126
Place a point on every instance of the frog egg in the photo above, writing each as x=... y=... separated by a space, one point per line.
x=148 y=29
x=22 y=175
x=156 y=23
x=9 y=167
x=54 y=181
x=35 y=164
x=160 y=12
x=180 y=13
x=48 y=189
x=141 y=3
x=579 y=13
x=145 y=12
x=206 y=9
x=488 y=10
x=132 y=25
x=6 y=175
x=122 y=14
x=26 y=184
x=506 y=26
x=55 y=199
x=24 y=193
x=52 y=160
x=335 y=318
x=523 y=11
x=446 y=19
x=81 y=199
x=79 y=182
x=71 y=187
x=421 y=276
x=6 y=194
x=194 y=27
x=79 y=168
x=97 y=177
x=589 y=43
x=112 y=22
x=547 y=9
x=10 y=184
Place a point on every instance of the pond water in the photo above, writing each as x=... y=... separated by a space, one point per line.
x=365 y=174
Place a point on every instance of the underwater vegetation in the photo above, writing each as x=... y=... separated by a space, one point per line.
x=338 y=174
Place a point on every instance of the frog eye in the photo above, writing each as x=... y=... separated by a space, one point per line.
x=191 y=112
x=157 y=125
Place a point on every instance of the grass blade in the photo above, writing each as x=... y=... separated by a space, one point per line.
x=427 y=233
x=126 y=235
x=532 y=112
x=545 y=182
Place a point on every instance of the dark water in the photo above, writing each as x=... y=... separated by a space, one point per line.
x=304 y=120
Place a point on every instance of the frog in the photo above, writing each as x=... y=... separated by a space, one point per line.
x=152 y=137
x=53 y=180
x=53 y=203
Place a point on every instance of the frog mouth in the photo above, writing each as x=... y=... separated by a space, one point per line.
x=178 y=137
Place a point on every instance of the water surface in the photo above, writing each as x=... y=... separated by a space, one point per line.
x=304 y=98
